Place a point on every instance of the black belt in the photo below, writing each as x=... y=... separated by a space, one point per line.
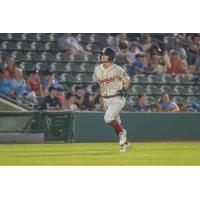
x=107 y=97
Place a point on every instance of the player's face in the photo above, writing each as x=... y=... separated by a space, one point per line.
x=104 y=58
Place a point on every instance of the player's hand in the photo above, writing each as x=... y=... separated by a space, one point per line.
x=122 y=92
x=95 y=86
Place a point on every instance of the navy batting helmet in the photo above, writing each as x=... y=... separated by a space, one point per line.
x=109 y=52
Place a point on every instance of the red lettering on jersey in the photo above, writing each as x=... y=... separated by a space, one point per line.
x=107 y=80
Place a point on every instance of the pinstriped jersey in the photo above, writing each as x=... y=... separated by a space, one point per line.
x=110 y=79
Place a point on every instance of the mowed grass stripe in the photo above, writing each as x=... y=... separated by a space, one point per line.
x=106 y=154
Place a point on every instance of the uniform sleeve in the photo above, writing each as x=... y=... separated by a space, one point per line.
x=122 y=74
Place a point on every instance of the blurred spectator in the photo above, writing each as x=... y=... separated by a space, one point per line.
x=194 y=48
x=33 y=82
x=154 y=107
x=182 y=107
x=79 y=96
x=155 y=65
x=70 y=103
x=146 y=43
x=152 y=51
x=18 y=84
x=132 y=52
x=193 y=105
x=137 y=67
x=177 y=66
x=5 y=84
x=166 y=60
x=122 y=44
x=180 y=51
x=10 y=68
x=166 y=105
x=141 y=106
x=61 y=95
x=98 y=102
x=111 y=40
x=195 y=69
x=88 y=102
x=69 y=44
x=52 y=102
x=48 y=82
x=123 y=48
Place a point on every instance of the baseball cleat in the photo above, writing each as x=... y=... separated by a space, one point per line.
x=122 y=137
x=125 y=147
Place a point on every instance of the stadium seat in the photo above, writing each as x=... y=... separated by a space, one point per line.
x=154 y=90
x=50 y=46
x=42 y=66
x=169 y=79
x=26 y=66
x=8 y=45
x=26 y=46
x=132 y=99
x=47 y=56
x=141 y=78
x=4 y=36
x=184 y=90
x=140 y=89
x=85 y=38
x=52 y=37
x=83 y=78
x=4 y=55
x=130 y=91
x=183 y=79
x=76 y=67
x=88 y=67
x=77 y=57
x=66 y=86
x=33 y=56
x=43 y=37
x=69 y=78
x=17 y=36
x=168 y=89
x=195 y=89
x=156 y=79
x=93 y=47
x=37 y=46
x=63 y=57
x=60 y=67
x=91 y=58
x=19 y=56
x=30 y=36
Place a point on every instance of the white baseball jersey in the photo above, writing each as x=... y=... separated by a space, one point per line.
x=110 y=79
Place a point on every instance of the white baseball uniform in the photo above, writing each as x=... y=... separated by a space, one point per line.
x=110 y=81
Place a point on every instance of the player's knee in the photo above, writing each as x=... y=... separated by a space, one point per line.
x=107 y=119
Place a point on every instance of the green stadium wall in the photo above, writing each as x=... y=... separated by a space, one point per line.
x=90 y=127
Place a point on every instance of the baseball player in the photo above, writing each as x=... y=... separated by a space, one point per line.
x=113 y=82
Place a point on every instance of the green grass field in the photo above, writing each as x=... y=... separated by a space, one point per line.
x=106 y=154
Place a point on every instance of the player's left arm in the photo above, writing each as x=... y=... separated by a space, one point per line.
x=125 y=82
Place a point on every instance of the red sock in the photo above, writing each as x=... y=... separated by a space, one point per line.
x=118 y=128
